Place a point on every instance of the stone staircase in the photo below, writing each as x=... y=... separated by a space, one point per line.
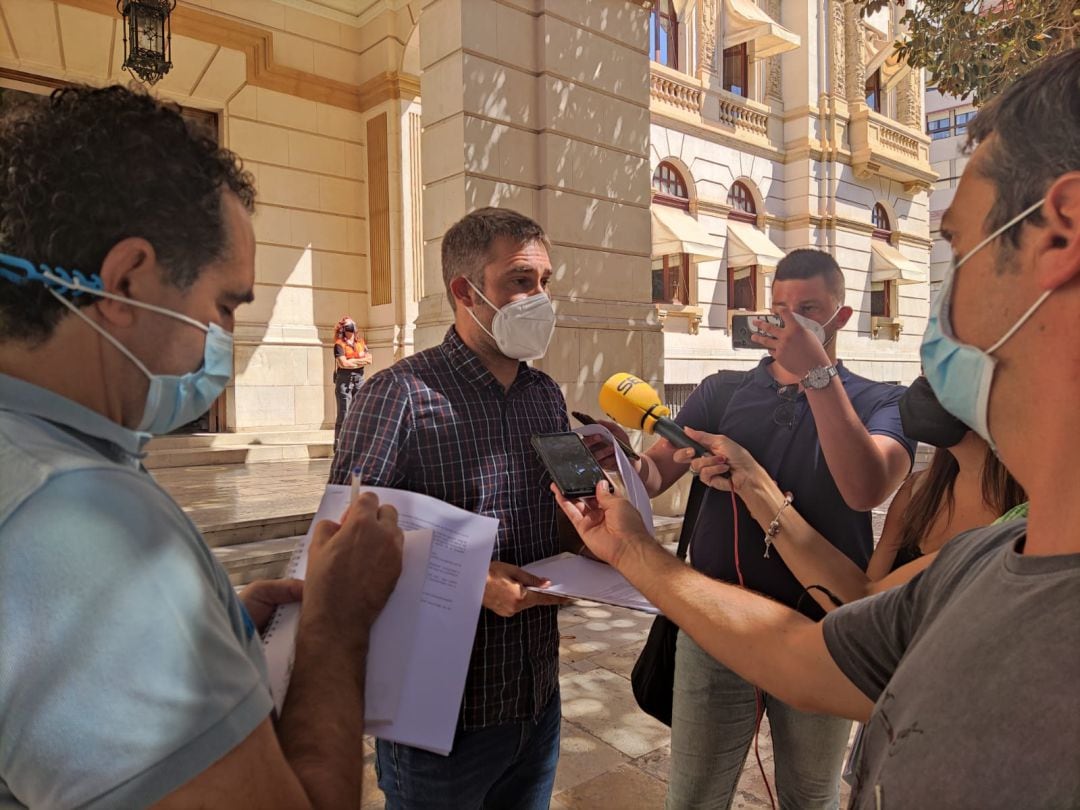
x=201 y=449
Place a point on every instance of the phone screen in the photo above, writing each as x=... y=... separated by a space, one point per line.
x=572 y=467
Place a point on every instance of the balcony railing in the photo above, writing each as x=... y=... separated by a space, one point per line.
x=882 y=146
x=686 y=96
x=682 y=92
x=738 y=113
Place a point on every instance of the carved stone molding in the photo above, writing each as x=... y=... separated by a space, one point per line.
x=707 y=34
x=836 y=39
x=853 y=40
x=774 y=81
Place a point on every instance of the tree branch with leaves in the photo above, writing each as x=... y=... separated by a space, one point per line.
x=976 y=48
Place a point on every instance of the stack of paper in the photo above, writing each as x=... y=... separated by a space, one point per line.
x=581 y=578
x=422 y=640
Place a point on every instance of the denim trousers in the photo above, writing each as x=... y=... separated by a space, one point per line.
x=713 y=718
x=506 y=767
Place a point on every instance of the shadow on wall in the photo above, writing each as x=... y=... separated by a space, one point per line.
x=589 y=197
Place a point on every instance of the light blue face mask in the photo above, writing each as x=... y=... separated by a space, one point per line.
x=172 y=400
x=960 y=374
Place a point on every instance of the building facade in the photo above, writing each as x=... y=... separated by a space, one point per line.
x=777 y=126
x=946 y=124
x=672 y=153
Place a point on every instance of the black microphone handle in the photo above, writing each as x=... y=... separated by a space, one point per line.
x=671 y=431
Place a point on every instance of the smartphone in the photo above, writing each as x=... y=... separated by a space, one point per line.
x=585 y=419
x=742 y=328
x=570 y=464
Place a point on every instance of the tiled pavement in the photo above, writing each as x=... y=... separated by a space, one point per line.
x=613 y=757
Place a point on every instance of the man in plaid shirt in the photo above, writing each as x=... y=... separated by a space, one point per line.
x=455 y=422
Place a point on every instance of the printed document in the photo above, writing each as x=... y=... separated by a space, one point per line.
x=422 y=640
x=581 y=578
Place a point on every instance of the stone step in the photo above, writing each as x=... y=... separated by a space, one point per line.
x=188 y=441
x=261 y=559
x=200 y=456
x=245 y=532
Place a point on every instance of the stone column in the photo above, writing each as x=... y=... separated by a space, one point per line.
x=856 y=70
x=543 y=106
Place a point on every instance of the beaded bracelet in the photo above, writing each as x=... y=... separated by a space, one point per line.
x=774 y=526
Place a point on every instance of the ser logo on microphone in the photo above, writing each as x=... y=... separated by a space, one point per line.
x=626 y=384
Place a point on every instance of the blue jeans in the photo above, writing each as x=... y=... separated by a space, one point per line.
x=507 y=767
x=713 y=718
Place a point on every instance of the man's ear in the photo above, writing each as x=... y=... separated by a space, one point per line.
x=1057 y=247
x=462 y=291
x=129 y=267
x=843 y=316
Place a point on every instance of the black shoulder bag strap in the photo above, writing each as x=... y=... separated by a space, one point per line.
x=729 y=383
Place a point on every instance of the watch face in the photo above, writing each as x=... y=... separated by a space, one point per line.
x=819 y=377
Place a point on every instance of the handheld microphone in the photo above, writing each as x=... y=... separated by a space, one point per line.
x=634 y=403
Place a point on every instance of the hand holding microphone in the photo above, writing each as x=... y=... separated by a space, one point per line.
x=634 y=403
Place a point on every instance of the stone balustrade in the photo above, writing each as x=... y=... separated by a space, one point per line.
x=740 y=115
x=884 y=147
x=678 y=90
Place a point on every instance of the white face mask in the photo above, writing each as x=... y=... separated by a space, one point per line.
x=818 y=329
x=522 y=329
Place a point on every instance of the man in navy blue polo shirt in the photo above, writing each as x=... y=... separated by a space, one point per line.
x=832 y=439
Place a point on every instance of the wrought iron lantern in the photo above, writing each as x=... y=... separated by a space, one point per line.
x=147 y=37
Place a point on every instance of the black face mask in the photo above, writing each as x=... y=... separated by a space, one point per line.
x=925 y=420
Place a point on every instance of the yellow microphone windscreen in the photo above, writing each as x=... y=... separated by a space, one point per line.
x=631 y=402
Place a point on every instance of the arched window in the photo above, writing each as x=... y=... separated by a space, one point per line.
x=882 y=293
x=880 y=219
x=670 y=273
x=669 y=188
x=741 y=200
x=664 y=34
x=742 y=281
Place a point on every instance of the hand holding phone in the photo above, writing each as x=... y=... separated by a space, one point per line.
x=571 y=466
x=742 y=328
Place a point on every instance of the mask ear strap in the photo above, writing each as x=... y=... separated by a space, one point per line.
x=119 y=346
x=1016 y=326
x=79 y=287
x=477 y=290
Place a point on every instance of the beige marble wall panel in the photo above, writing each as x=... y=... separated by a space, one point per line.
x=592 y=60
x=619 y=21
x=32 y=25
x=84 y=34
x=315 y=153
x=264 y=406
x=285 y=265
x=575 y=110
x=591 y=222
x=260 y=142
x=340 y=196
x=310 y=405
x=286 y=187
x=499 y=150
x=284 y=110
x=335 y=122
x=499 y=92
x=594 y=169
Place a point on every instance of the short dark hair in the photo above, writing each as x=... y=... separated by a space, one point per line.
x=466 y=247
x=85 y=168
x=1036 y=124
x=809 y=263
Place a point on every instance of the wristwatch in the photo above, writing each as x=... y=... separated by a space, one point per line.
x=817 y=378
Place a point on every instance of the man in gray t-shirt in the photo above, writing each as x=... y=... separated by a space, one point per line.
x=973 y=667
x=969 y=675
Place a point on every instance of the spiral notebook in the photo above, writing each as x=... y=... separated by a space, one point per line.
x=422 y=640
